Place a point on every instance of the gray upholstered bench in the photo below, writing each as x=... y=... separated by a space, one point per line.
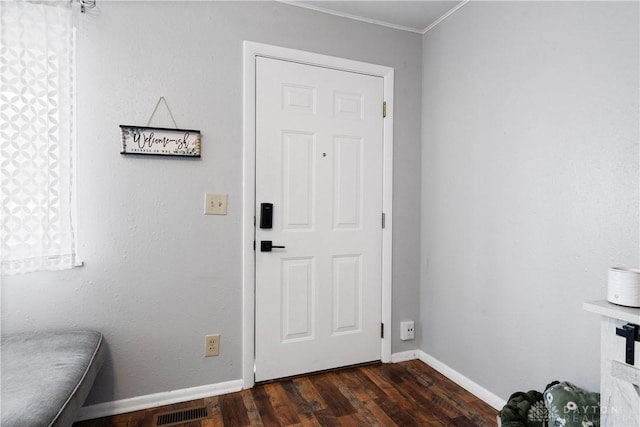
x=46 y=376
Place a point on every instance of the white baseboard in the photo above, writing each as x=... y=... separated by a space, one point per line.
x=138 y=403
x=403 y=356
x=464 y=382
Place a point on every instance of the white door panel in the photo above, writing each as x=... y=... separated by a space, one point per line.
x=319 y=144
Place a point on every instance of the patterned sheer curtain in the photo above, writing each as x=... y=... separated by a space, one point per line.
x=36 y=136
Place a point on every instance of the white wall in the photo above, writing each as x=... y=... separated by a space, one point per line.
x=159 y=275
x=529 y=185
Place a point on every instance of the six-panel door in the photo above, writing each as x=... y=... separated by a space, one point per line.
x=319 y=143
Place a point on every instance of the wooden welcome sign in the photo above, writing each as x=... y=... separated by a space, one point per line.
x=160 y=141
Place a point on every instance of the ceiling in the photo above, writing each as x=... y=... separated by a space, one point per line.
x=418 y=15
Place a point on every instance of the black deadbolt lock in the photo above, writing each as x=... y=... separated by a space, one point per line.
x=266 y=215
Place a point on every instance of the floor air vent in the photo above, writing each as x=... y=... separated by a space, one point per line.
x=178 y=417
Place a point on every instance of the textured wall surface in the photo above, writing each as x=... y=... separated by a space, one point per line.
x=530 y=185
x=529 y=190
x=158 y=274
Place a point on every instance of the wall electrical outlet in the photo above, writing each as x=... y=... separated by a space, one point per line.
x=407 y=330
x=212 y=345
x=215 y=204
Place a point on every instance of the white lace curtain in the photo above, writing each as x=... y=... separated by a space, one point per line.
x=36 y=136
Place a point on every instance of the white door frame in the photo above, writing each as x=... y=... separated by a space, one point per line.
x=251 y=50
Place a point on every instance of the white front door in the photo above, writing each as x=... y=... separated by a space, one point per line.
x=319 y=148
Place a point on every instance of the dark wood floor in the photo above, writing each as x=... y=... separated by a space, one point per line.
x=399 y=394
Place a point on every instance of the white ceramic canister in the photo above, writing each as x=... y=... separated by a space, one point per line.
x=624 y=286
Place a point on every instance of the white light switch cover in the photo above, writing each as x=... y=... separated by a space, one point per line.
x=215 y=204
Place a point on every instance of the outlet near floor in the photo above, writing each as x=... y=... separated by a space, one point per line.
x=407 y=331
x=212 y=345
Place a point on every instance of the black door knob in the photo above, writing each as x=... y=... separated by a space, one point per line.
x=267 y=245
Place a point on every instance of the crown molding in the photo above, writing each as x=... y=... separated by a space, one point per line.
x=375 y=21
x=350 y=16
x=445 y=16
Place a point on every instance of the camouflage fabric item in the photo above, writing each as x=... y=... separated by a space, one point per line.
x=571 y=406
x=524 y=410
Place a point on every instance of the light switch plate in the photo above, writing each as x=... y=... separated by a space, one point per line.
x=215 y=204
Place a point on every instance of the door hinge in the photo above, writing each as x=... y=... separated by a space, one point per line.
x=254 y=245
x=383 y=219
x=381 y=330
x=384 y=109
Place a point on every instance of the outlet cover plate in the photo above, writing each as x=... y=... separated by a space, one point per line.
x=407 y=330
x=212 y=345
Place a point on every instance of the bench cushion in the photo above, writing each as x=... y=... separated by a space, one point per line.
x=46 y=376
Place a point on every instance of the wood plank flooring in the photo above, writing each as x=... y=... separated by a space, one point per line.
x=399 y=394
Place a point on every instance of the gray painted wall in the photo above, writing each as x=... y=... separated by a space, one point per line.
x=159 y=275
x=529 y=185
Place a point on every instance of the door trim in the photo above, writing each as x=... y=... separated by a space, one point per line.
x=250 y=51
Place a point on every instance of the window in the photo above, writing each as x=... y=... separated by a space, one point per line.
x=37 y=212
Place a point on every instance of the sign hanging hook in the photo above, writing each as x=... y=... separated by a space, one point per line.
x=161 y=99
